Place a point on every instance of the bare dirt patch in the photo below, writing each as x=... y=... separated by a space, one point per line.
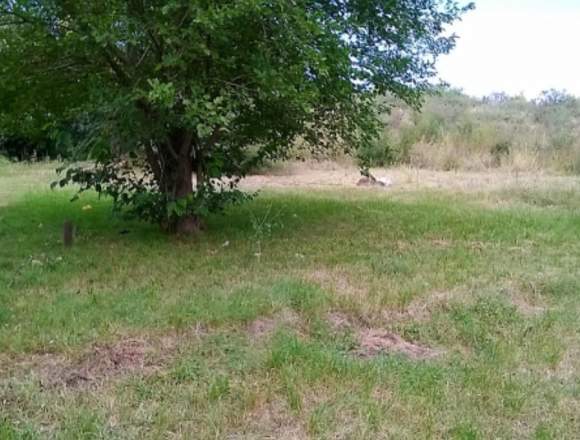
x=103 y=362
x=143 y=355
x=294 y=174
x=262 y=328
x=374 y=342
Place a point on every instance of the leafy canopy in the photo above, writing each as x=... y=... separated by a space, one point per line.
x=210 y=87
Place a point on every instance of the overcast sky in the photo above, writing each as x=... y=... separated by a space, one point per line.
x=516 y=46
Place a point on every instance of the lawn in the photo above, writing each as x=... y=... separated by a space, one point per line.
x=307 y=313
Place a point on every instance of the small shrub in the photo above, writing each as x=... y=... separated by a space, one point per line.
x=451 y=163
x=500 y=151
x=379 y=154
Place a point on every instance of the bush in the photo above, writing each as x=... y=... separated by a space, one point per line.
x=379 y=154
x=499 y=151
x=455 y=131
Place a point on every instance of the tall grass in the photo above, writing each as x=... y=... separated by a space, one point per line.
x=455 y=131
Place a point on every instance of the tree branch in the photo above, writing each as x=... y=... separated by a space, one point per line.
x=122 y=76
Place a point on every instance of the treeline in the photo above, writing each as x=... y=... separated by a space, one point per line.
x=42 y=144
x=454 y=131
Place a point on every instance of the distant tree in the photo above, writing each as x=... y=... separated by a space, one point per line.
x=554 y=97
x=170 y=88
x=496 y=98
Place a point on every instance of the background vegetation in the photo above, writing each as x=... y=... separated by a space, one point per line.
x=454 y=131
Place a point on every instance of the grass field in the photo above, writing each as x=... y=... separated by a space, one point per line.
x=308 y=313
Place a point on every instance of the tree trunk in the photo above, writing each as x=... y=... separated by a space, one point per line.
x=179 y=171
x=188 y=224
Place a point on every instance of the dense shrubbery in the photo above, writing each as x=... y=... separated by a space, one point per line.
x=24 y=149
x=55 y=143
x=454 y=131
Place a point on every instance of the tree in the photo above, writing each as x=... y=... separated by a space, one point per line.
x=553 y=97
x=165 y=89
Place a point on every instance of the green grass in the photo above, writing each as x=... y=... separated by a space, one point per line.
x=498 y=290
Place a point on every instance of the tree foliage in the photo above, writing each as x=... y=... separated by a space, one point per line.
x=208 y=87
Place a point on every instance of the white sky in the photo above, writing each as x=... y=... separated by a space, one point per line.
x=516 y=46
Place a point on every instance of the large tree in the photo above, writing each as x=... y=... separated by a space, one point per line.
x=161 y=90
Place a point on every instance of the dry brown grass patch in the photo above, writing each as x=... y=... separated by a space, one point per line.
x=569 y=365
x=421 y=309
x=339 y=321
x=106 y=362
x=375 y=341
x=524 y=298
x=525 y=308
x=336 y=281
x=262 y=328
x=271 y=419
x=103 y=362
